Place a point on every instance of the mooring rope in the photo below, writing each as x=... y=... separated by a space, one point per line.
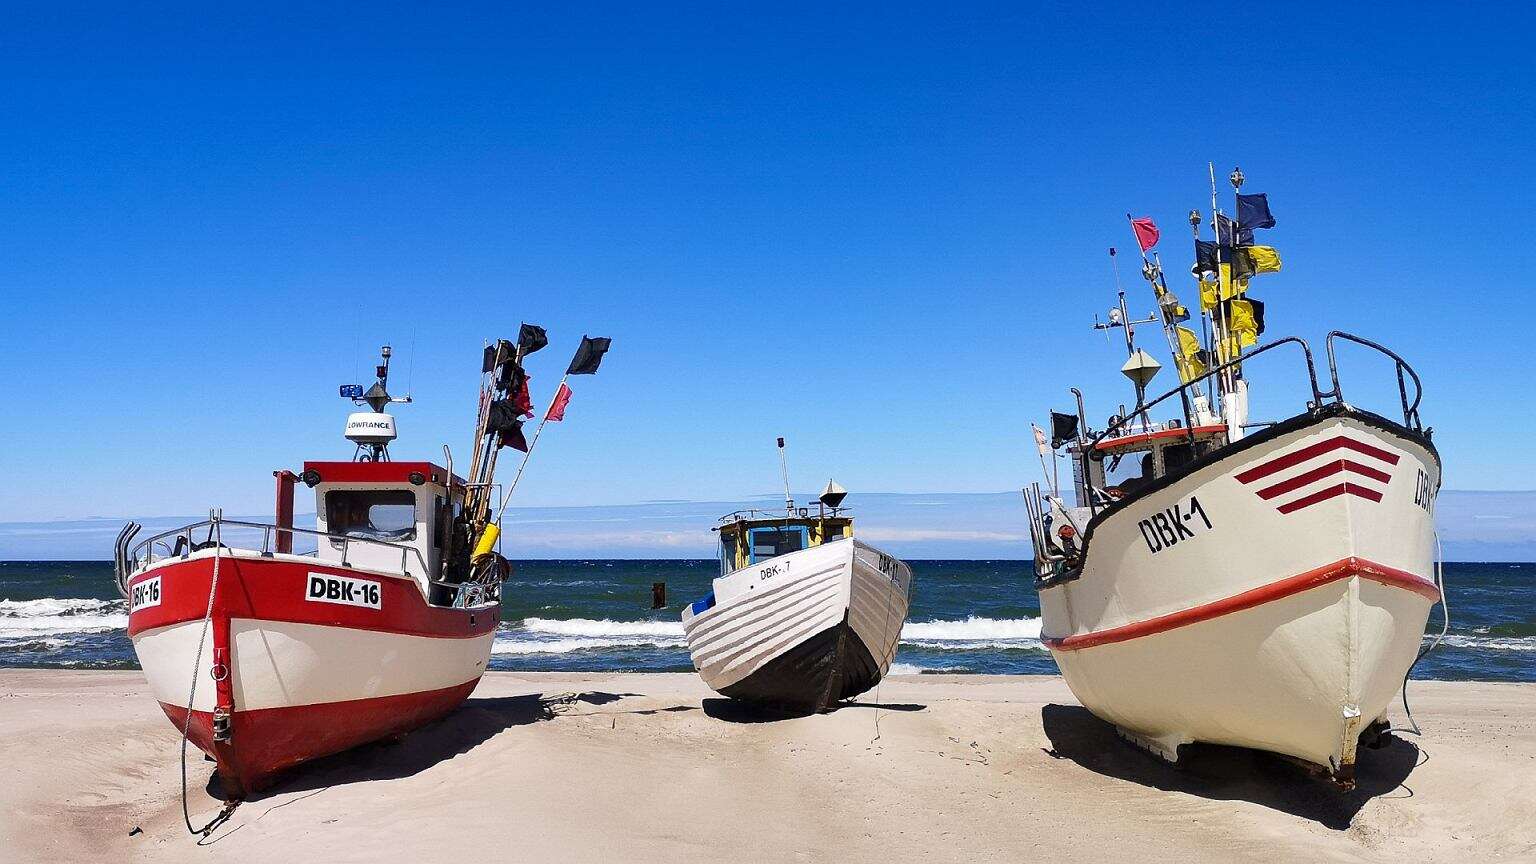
x=186 y=726
x=891 y=654
x=1445 y=626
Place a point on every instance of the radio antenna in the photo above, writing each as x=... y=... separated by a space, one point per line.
x=789 y=501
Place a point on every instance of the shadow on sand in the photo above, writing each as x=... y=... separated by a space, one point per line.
x=736 y=711
x=467 y=727
x=1230 y=773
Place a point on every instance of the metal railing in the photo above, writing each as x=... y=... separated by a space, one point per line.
x=1400 y=366
x=131 y=560
x=1410 y=408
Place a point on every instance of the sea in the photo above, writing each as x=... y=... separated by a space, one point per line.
x=966 y=617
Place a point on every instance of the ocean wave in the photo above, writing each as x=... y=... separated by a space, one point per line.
x=973 y=629
x=1490 y=643
x=602 y=627
x=53 y=615
x=578 y=643
x=914 y=669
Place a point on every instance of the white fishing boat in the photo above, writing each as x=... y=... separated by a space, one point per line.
x=1262 y=585
x=803 y=615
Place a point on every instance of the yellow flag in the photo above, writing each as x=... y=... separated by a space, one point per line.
x=1208 y=291
x=1189 y=363
x=1241 y=323
x=1265 y=259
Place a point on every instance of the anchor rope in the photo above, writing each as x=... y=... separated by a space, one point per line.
x=1445 y=626
x=186 y=726
x=890 y=658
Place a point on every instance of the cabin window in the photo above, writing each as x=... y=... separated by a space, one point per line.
x=375 y=514
x=727 y=554
x=772 y=542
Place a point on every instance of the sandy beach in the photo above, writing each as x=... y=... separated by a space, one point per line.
x=653 y=767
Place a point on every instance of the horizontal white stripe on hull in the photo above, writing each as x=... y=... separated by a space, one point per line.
x=732 y=642
x=877 y=604
x=278 y=664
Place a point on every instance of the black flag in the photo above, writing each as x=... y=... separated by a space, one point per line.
x=530 y=338
x=1229 y=233
x=496 y=354
x=589 y=356
x=1063 y=429
x=1253 y=212
x=1205 y=257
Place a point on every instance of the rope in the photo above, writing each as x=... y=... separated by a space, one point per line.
x=1445 y=626
x=217 y=535
x=895 y=644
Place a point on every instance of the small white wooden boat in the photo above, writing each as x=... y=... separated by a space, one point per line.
x=1265 y=589
x=803 y=615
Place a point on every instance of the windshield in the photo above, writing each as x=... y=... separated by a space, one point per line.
x=385 y=514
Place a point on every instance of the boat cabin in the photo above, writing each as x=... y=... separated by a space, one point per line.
x=1119 y=466
x=750 y=537
x=393 y=517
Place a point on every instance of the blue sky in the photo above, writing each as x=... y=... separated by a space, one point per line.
x=879 y=232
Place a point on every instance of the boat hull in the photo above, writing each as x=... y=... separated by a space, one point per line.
x=1274 y=597
x=806 y=630
x=298 y=677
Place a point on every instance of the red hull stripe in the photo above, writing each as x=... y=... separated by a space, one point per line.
x=1331 y=492
x=271 y=589
x=1162 y=433
x=1319 y=473
x=1248 y=599
x=267 y=742
x=1297 y=457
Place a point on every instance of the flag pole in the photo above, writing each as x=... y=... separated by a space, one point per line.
x=1219 y=322
x=506 y=498
x=1150 y=273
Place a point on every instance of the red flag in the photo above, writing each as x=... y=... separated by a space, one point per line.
x=557 y=407
x=523 y=402
x=1146 y=232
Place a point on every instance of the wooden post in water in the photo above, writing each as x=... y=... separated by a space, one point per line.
x=658 y=595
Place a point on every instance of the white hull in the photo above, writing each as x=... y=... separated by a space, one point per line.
x=764 y=612
x=1285 y=611
x=283 y=664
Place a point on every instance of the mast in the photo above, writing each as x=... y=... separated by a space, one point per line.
x=1139 y=366
x=1168 y=305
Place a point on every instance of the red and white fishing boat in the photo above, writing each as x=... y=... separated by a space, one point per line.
x=1262 y=585
x=382 y=624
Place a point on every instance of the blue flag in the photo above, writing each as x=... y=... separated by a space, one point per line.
x=1253 y=212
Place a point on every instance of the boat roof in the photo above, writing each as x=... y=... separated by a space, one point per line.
x=381 y=472
x=770 y=518
x=1146 y=440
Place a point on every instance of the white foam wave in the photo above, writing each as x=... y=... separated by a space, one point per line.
x=1490 y=643
x=973 y=629
x=602 y=627
x=914 y=669
x=568 y=645
x=53 y=615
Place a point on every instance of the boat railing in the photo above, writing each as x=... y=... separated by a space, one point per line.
x=754 y=514
x=1404 y=372
x=163 y=546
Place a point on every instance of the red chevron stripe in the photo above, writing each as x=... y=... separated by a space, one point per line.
x=1331 y=492
x=1296 y=457
x=1319 y=473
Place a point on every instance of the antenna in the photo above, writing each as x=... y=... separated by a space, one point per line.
x=789 y=501
x=372 y=431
